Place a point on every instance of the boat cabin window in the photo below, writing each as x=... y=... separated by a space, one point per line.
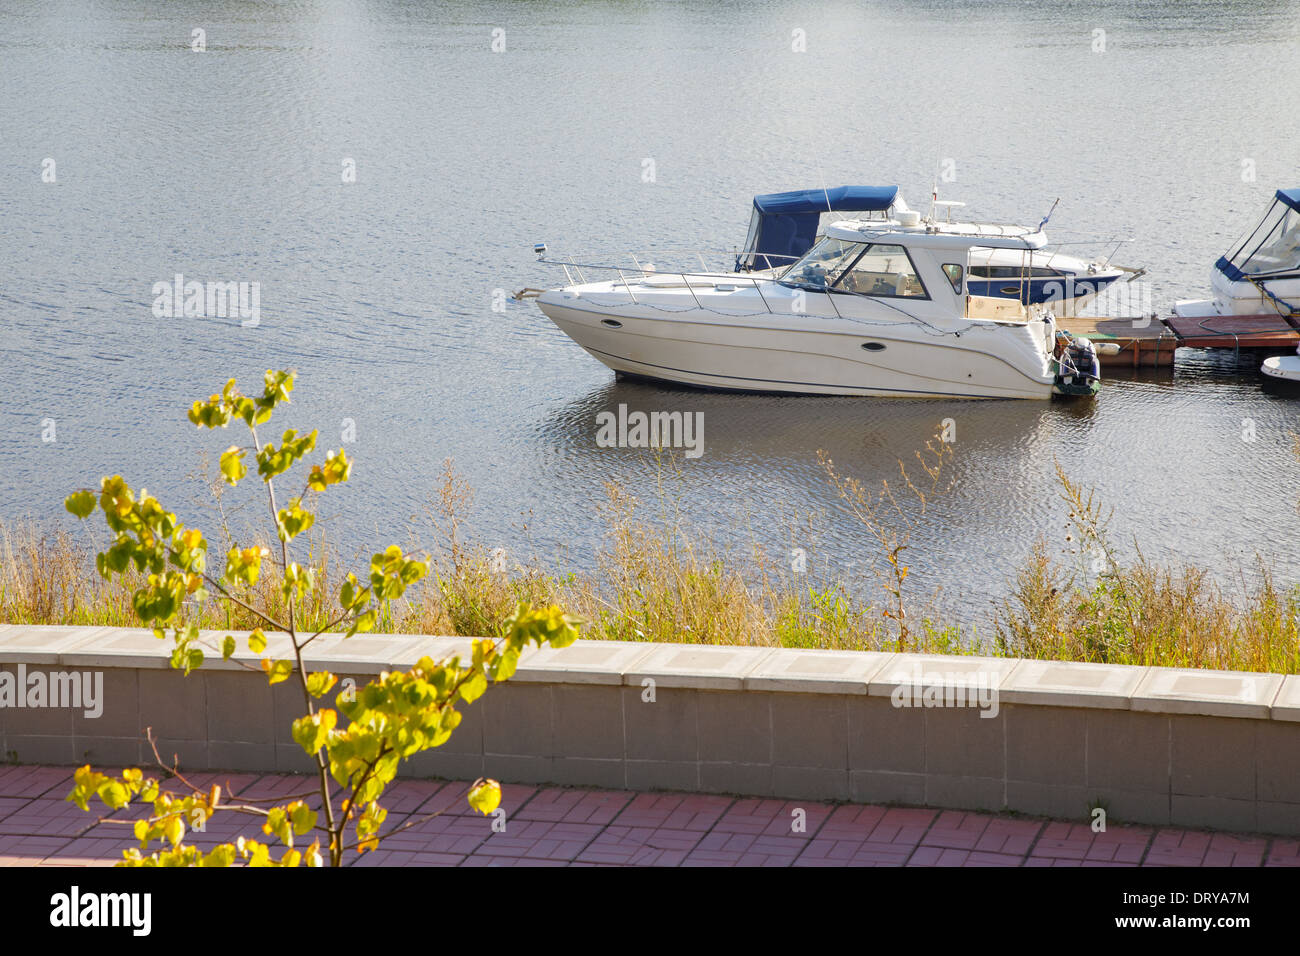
x=1274 y=246
x=954 y=273
x=823 y=264
x=834 y=265
x=1011 y=272
x=883 y=270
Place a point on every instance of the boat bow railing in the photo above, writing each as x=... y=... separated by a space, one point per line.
x=641 y=271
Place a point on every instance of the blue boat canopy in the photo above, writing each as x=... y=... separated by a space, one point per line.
x=785 y=225
x=1272 y=249
x=839 y=199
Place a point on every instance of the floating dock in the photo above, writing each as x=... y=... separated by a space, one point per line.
x=1144 y=342
x=1151 y=341
x=1234 y=331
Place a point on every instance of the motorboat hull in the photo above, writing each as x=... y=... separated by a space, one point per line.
x=1282 y=374
x=774 y=354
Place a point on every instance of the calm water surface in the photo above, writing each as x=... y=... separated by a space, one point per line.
x=226 y=165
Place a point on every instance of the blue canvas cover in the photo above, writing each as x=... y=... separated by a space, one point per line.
x=784 y=225
x=1240 y=265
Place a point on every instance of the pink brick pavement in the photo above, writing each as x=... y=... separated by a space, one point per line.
x=556 y=826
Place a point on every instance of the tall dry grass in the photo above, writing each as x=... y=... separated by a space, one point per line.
x=1143 y=612
x=656 y=578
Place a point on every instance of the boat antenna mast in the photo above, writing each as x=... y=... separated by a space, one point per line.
x=1049 y=214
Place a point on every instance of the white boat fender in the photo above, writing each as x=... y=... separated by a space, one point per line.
x=1107 y=348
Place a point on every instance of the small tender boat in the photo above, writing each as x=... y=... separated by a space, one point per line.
x=1282 y=371
x=1260 y=273
x=784 y=226
x=876 y=306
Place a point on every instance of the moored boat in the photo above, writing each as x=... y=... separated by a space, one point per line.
x=875 y=307
x=783 y=226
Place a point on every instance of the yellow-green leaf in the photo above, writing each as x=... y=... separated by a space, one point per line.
x=485 y=796
x=279 y=671
x=80 y=503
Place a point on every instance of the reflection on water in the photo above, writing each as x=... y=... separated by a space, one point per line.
x=226 y=165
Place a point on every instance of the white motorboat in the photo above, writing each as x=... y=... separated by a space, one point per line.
x=783 y=226
x=1282 y=370
x=1260 y=274
x=876 y=307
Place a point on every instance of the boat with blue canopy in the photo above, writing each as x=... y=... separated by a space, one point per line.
x=1260 y=272
x=785 y=225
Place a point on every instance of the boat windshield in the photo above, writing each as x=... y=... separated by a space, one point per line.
x=1274 y=246
x=823 y=264
x=877 y=269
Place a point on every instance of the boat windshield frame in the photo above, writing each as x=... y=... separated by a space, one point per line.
x=1279 y=229
x=844 y=255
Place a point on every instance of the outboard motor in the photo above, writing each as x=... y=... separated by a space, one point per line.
x=1078 y=371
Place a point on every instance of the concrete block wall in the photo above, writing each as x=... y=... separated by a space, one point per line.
x=1151 y=745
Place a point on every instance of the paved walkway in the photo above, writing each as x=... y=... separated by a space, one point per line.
x=553 y=826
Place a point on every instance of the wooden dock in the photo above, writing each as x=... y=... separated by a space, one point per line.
x=1234 y=331
x=1150 y=341
x=1144 y=342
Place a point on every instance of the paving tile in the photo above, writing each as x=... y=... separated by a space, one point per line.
x=841 y=852
x=540 y=839
x=449 y=833
x=27 y=780
x=91 y=851
x=938 y=856
x=451 y=799
x=1228 y=850
x=903 y=826
x=640 y=846
x=697 y=812
x=774 y=817
x=382 y=857
x=1283 y=853
x=742 y=851
x=1009 y=836
x=574 y=806
x=510 y=861
x=45 y=816
x=849 y=822
x=1174 y=847
x=409 y=796
x=10 y=804
x=956 y=830
x=27 y=847
x=1077 y=841
x=558 y=826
